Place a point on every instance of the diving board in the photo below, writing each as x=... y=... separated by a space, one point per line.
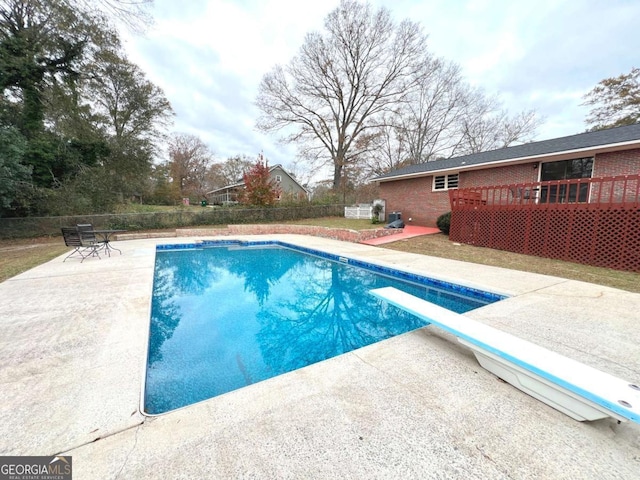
x=576 y=389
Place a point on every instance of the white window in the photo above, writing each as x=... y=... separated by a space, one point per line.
x=278 y=178
x=445 y=182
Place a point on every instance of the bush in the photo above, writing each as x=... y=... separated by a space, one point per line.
x=443 y=222
x=377 y=210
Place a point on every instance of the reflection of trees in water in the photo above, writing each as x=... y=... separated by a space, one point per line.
x=165 y=314
x=192 y=272
x=262 y=268
x=176 y=274
x=327 y=316
x=310 y=309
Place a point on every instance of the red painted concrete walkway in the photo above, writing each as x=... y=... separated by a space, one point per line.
x=408 y=231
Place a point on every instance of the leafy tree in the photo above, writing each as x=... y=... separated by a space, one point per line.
x=162 y=191
x=32 y=56
x=341 y=84
x=91 y=120
x=131 y=112
x=42 y=44
x=128 y=105
x=259 y=189
x=14 y=176
x=615 y=101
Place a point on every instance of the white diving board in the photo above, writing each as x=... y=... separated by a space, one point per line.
x=576 y=389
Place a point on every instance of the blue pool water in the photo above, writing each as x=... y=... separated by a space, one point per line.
x=229 y=315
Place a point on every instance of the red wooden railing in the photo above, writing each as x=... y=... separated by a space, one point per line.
x=593 y=220
x=593 y=193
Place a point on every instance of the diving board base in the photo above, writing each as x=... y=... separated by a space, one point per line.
x=552 y=394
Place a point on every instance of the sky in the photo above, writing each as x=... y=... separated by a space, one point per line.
x=209 y=56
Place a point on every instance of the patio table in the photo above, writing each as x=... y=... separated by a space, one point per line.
x=106 y=240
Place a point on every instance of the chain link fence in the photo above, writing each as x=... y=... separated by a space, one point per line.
x=42 y=226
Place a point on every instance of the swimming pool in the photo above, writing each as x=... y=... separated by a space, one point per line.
x=227 y=314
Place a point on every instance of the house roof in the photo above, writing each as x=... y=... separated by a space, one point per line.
x=583 y=143
x=240 y=182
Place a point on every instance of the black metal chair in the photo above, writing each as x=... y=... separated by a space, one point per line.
x=86 y=232
x=83 y=249
x=88 y=236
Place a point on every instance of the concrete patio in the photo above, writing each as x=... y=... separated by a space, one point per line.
x=72 y=354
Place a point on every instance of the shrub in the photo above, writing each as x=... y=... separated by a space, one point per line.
x=443 y=222
x=377 y=210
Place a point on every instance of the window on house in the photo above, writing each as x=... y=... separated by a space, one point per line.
x=565 y=170
x=278 y=178
x=445 y=182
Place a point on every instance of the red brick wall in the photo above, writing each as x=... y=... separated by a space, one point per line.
x=500 y=176
x=617 y=163
x=416 y=200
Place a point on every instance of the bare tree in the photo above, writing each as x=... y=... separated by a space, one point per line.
x=133 y=14
x=233 y=169
x=486 y=127
x=341 y=84
x=189 y=161
x=443 y=116
x=389 y=153
x=428 y=123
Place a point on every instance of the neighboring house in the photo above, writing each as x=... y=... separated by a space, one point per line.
x=290 y=188
x=421 y=192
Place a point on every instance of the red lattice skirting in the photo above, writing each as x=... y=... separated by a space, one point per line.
x=608 y=237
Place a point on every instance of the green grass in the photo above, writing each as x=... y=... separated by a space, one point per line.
x=17 y=256
x=337 y=222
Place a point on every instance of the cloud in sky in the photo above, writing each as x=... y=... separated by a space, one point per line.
x=209 y=56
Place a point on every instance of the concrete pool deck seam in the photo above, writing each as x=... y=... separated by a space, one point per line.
x=298 y=426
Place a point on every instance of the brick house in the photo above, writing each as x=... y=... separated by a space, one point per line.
x=421 y=192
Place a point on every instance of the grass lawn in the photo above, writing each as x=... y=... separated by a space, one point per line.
x=439 y=245
x=17 y=256
x=338 y=222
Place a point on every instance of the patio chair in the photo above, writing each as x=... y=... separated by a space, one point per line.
x=522 y=193
x=83 y=249
x=88 y=235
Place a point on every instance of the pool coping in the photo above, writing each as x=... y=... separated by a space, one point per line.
x=83 y=368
